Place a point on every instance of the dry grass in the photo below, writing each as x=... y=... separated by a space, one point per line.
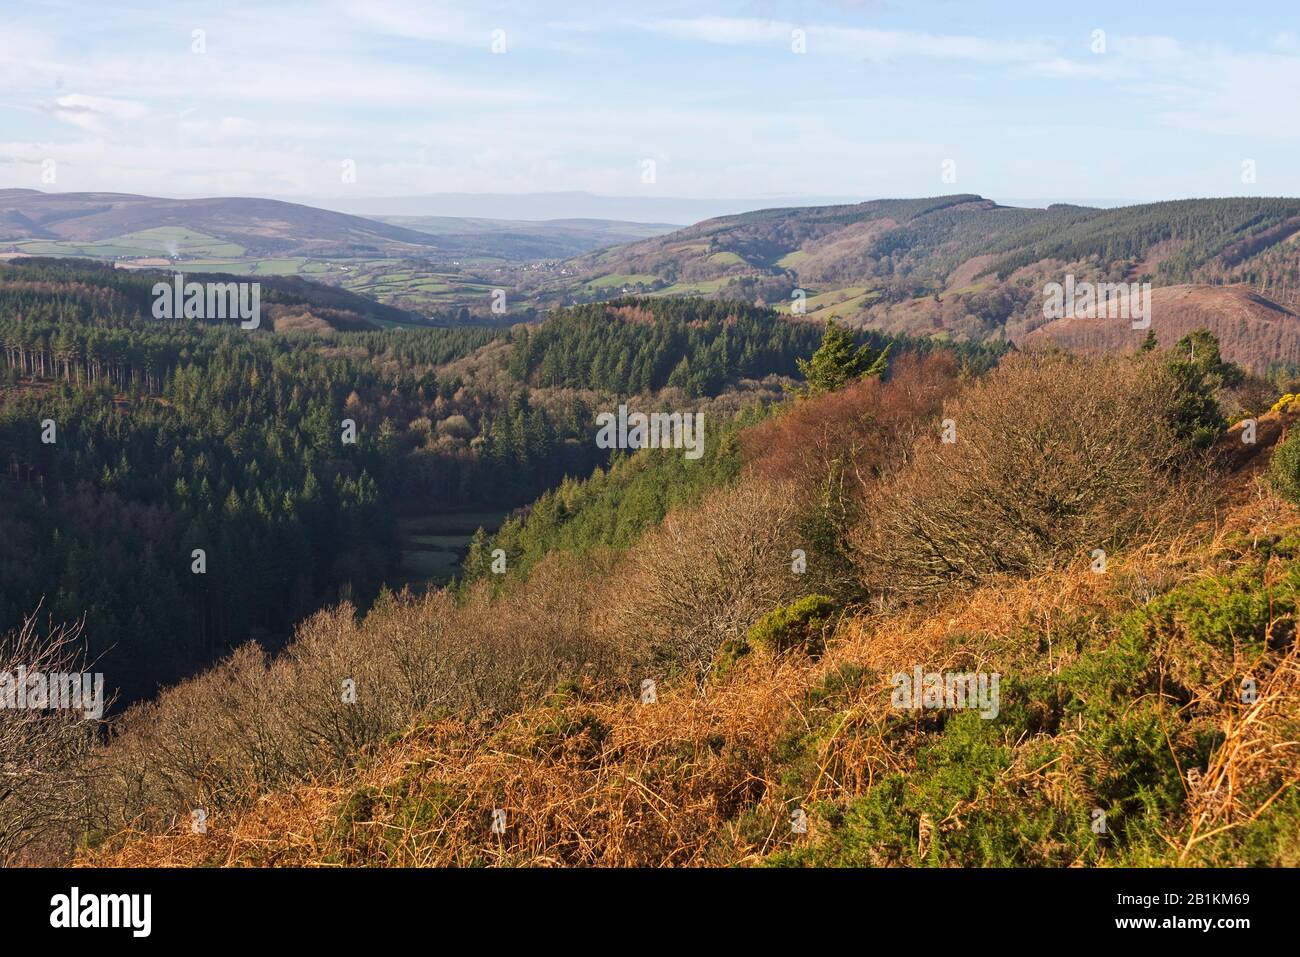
x=594 y=777
x=1261 y=746
x=1046 y=464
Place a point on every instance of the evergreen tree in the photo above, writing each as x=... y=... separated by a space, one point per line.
x=1199 y=373
x=838 y=361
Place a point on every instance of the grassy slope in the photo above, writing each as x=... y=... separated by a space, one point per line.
x=1118 y=692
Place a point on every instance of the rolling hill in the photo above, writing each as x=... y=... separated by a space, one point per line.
x=965 y=267
x=125 y=224
x=121 y=225
x=290 y=303
x=930 y=240
x=959 y=267
x=439 y=266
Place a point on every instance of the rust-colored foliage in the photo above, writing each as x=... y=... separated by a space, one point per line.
x=859 y=430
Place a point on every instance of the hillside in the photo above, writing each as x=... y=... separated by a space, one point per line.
x=965 y=267
x=124 y=225
x=1255 y=332
x=289 y=301
x=524 y=240
x=187 y=433
x=1120 y=736
x=592 y=778
x=935 y=238
x=437 y=266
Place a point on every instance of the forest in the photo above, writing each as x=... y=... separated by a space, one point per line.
x=176 y=436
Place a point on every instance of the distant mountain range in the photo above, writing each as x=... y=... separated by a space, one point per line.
x=122 y=225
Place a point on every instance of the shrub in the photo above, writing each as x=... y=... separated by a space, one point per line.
x=1284 y=468
x=1197 y=376
x=801 y=624
x=706 y=575
x=250 y=724
x=1055 y=456
x=45 y=771
x=832 y=448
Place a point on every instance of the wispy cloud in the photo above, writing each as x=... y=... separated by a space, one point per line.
x=846 y=41
x=882 y=95
x=95 y=113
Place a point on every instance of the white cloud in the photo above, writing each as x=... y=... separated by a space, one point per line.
x=94 y=113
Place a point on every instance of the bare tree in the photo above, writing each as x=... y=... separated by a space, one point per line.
x=45 y=752
x=708 y=574
x=1054 y=456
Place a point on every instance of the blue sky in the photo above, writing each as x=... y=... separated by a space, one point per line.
x=712 y=92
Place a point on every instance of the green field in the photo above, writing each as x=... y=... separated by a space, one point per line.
x=162 y=241
x=840 y=301
x=397 y=282
x=693 y=287
x=620 y=279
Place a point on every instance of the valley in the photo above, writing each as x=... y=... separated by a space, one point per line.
x=386 y=479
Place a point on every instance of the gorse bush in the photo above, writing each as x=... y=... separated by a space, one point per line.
x=1197 y=374
x=1284 y=469
x=1118 y=735
x=801 y=624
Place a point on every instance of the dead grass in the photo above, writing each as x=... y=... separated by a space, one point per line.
x=592 y=777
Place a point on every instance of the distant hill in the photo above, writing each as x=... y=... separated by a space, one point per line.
x=290 y=303
x=927 y=241
x=126 y=226
x=965 y=267
x=524 y=240
x=259 y=227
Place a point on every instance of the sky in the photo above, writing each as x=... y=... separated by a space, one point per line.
x=350 y=102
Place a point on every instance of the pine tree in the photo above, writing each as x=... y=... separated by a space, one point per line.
x=836 y=362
